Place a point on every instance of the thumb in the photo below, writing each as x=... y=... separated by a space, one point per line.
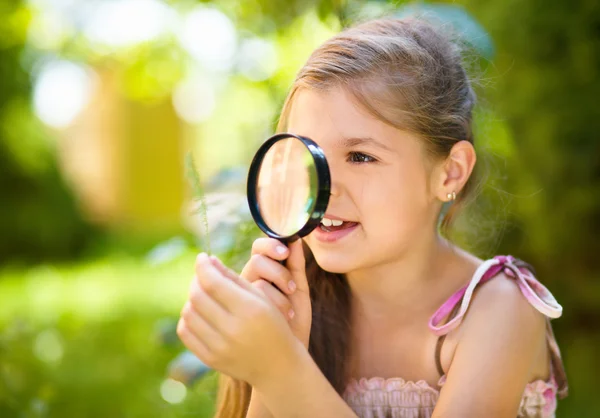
x=296 y=264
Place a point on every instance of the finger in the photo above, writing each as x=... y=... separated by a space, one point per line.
x=220 y=288
x=261 y=267
x=277 y=298
x=209 y=309
x=296 y=264
x=227 y=272
x=193 y=344
x=201 y=328
x=270 y=247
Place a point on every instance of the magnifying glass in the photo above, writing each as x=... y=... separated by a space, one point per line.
x=288 y=187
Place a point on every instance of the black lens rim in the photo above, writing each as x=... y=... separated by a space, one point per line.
x=323 y=178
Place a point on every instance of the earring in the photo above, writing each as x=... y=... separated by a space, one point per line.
x=451 y=196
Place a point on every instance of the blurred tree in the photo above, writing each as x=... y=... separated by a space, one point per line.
x=38 y=216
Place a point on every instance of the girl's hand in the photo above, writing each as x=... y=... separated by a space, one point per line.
x=229 y=325
x=266 y=274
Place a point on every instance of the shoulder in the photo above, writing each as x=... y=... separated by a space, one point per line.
x=502 y=290
x=499 y=307
x=497 y=345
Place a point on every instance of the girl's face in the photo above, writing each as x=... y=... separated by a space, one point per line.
x=385 y=188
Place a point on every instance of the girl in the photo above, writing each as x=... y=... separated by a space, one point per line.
x=389 y=318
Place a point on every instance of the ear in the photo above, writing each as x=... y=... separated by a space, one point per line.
x=452 y=173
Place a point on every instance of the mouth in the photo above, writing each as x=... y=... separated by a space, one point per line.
x=332 y=223
x=328 y=233
x=333 y=228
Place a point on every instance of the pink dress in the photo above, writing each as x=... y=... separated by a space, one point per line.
x=396 y=398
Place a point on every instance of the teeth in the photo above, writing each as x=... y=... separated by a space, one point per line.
x=329 y=222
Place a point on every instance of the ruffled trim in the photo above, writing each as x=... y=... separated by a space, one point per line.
x=377 y=396
x=394 y=397
x=394 y=393
x=539 y=396
x=390 y=384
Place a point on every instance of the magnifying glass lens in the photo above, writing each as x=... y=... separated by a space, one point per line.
x=287 y=186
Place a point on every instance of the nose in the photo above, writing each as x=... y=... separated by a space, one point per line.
x=334 y=189
x=334 y=186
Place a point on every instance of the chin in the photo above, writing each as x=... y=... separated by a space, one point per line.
x=333 y=263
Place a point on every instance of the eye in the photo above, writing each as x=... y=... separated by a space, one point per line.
x=360 y=158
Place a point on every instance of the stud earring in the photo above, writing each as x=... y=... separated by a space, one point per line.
x=451 y=196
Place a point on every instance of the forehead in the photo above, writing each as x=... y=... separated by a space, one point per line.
x=335 y=118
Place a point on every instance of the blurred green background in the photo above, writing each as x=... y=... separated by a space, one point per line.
x=126 y=130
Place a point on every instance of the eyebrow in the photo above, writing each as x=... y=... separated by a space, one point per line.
x=354 y=141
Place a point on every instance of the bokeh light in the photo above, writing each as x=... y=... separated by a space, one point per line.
x=173 y=391
x=48 y=346
x=257 y=59
x=61 y=91
x=210 y=37
x=194 y=99
x=122 y=23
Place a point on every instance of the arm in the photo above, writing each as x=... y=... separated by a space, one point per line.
x=300 y=391
x=257 y=408
x=501 y=345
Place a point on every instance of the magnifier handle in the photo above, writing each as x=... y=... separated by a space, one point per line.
x=284 y=242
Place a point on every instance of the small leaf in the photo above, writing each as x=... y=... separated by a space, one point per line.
x=198 y=194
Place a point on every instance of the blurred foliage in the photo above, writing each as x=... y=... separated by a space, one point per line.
x=545 y=86
x=106 y=327
x=39 y=217
x=99 y=338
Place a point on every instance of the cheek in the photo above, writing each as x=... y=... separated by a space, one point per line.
x=398 y=197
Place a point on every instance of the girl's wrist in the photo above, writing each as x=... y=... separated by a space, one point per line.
x=301 y=390
x=257 y=407
x=286 y=372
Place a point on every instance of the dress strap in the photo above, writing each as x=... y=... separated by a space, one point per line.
x=440 y=343
x=557 y=369
x=536 y=293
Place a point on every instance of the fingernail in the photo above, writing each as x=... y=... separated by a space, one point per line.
x=281 y=249
x=292 y=286
x=215 y=261
x=291 y=313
